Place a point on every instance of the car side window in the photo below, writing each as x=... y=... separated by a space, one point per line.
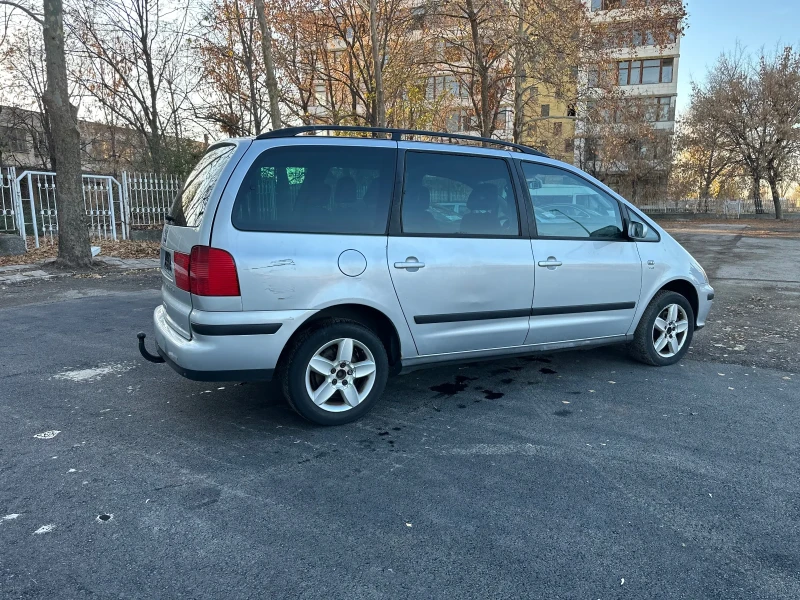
x=317 y=189
x=455 y=194
x=567 y=206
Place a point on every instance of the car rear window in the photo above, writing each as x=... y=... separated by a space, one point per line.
x=190 y=204
x=317 y=189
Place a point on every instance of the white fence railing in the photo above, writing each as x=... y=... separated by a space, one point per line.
x=716 y=206
x=140 y=200
x=149 y=197
x=10 y=207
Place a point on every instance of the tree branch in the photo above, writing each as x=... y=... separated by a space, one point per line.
x=35 y=16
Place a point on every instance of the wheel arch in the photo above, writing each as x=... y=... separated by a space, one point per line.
x=685 y=288
x=370 y=317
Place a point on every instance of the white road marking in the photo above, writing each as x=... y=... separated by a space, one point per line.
x=89 y=375
x=44 y=529
x=47 y=435
x=10 y=517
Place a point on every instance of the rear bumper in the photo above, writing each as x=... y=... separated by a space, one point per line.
x=246 y=375
x=224 y=347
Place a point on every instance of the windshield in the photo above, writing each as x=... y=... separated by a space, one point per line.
x=190 y=204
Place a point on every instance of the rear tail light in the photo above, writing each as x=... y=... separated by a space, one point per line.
x=180 y=270
x=212 y=272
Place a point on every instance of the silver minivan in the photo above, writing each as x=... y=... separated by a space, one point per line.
x=333 y=262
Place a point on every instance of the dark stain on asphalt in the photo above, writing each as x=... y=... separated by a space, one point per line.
x=507 y=380
x=498 y=372
x=547 y=371
x=104 y=517
x=383 y=433
x=462 y=406
x=451 y=389
x=563 y=413
x=575 y=393
x=533 y=382
x=540 y=359
x=490 y=395
x=396 y=428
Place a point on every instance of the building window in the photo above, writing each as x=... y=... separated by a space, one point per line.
x=593 y=76
x=638 y=72
x=558 y=128
x=608 y=4
x=571 y=112
x=545 y=110
x=13 y=139
x=659 y=109
x=569 y=145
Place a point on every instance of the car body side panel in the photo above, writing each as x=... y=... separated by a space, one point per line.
x=670 y=262
x=307 y=271
x=601 y=279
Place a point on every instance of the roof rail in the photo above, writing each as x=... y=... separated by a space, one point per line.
x=396 y=135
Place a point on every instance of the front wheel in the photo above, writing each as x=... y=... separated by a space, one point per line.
x=336 y=373
x=665 y=330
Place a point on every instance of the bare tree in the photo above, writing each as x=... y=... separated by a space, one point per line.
x=138 y=67
x=703 y=155
x=756 y=109
x=269 y=64
x=234 y=94
x=73 y=235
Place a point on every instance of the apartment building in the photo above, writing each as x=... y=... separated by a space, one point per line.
x=105 y=149
x=626 y=142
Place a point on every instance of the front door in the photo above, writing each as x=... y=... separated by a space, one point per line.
x=588 y=273
x=460 y=266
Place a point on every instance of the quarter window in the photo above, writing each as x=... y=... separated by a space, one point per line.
x=317 y=189
x=190 y=205
x=451 y=194
x=567 y=206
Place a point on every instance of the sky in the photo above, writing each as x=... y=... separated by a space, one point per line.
x=716 y=25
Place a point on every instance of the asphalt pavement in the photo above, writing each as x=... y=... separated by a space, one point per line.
x=571 y=475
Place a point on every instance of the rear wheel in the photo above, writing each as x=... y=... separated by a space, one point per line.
x=665 y=330
x=335 y=372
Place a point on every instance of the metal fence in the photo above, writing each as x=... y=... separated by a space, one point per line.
x=10 y=208
x=716 y=206
x=140 y=200
x=149 y=197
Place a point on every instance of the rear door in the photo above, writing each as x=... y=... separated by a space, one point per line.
x=588 y=273
x=459 y=261
x=188 y=225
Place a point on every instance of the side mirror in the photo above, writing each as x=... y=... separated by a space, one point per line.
x=637 y=230
x=535 y=183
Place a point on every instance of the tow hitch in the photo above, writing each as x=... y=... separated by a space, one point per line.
x=151 y=357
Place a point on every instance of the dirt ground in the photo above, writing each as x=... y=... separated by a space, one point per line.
x=754 y=266
x=119 y=249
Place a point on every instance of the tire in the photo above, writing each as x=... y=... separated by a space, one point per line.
x=647 y=337
x=346 y=394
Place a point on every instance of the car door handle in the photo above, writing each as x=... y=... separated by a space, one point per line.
x=411 y=264
x=550 y=263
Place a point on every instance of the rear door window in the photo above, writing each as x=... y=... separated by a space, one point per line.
x=317 y=189
x=455 y=194
x=190 y=205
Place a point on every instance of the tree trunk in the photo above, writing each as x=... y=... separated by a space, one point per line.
x=65 y=146
x=757 y=195
x=269 y=65
x=776 y=199
x=519 y=80
x=380 y=104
